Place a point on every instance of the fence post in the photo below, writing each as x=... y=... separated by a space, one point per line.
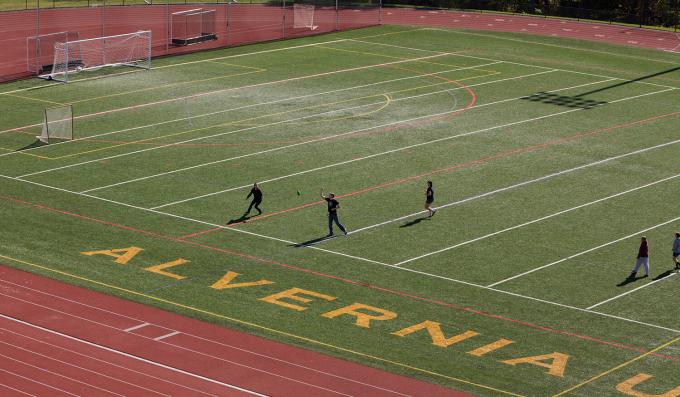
x=380 y=4
x=283 y=19
x=337 y=15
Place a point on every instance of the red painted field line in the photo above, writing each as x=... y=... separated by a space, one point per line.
x=482 y=160
x=341 y=279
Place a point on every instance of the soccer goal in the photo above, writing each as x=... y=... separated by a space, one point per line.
x=192 y=26
x=40 y=50
x=131 y=49
x=57 y=124
x=303 y=16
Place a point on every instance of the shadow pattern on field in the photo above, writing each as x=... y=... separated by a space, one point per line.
x=629 y=280
x=37 y=143
x=415 y=221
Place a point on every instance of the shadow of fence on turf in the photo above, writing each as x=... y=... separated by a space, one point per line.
x=578 y=101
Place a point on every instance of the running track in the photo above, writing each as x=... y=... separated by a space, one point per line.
x=61 y=340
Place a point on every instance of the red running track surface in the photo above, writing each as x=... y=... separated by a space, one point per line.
x=61 y=340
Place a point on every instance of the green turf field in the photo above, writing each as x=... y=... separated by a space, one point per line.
x=549 y=159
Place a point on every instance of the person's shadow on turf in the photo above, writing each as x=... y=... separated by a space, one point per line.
x=629 y=280
x=414 y=222
x=311 y=242
x=242 y=219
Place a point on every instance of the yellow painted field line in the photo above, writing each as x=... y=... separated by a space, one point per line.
x=236 y=122
x=161 y=87
x=36 y=99
x=605 y=373
x=27 y=154
x=221 y=316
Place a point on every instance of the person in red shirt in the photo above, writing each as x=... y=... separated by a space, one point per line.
x=642 y=258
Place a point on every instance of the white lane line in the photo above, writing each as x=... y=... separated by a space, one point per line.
x=62 y=376
x=638 y=233
x=348 y=256
x=524 y=183
x=257 y=85
x=74 y=302
x=83 y=369
x=518 y=63
x=280 y=123
x=166 y=336
x=53 y=346
x=40 y=383
x=17 y=390
x=136 y=327
x=262 y=371
x=531 y=222
x=193 y=117
x=631 y=291
x=131 y=356
x=355 y=159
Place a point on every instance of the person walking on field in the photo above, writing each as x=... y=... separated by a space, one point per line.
x=333 y=206
x=257 y=199
x=676 y=251
x=429 y=199
x=642 y=258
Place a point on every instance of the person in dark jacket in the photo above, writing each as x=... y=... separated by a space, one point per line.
x=257 y=199
x=333 y=206
x=642 y=258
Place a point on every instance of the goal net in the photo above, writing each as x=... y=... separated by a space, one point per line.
x=303 y=16
x=40 y=50
x=192 y=26
x=131 y=49
x=57 y=123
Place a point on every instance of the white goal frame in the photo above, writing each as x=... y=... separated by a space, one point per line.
x=303 y=16
x=40 y=50
x=130 y=49
x=57 y=124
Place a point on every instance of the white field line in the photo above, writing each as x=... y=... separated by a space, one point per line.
x=554 y=45
x=173 y=333
x=53 y=346
x=89 y=385
x=638 y=233
x=193 y=117
x=514 y=63
x=192 y=62
x=631 y=291
x=356 y=159
x=142 y=325
x=339 y=254
x=53 y=332
x=16 y=390
x=531 y=222
x=283 y=122
x=99 y=373
x=524 y=183
x=257 y=85
x=73 y=302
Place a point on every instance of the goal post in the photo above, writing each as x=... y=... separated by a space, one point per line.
x=130 y=49
x=303 y=16
x=193 y=26
x=57 y=124
x=40 y=50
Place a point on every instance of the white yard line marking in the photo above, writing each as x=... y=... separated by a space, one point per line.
x=132 y=356
x=197 y=116
x=631 y=291
x=17 y=390
x=524 y=183
x=166 y=335
x=71 y=301
x=53 y=346
x=517 y=63
x=537 y=220
x=257 y=85
x=268 y=125
x=62 y=376
x=638 y=233
x=345 y=255
x=84 y=369
x=136 y=327
x=355 y=159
